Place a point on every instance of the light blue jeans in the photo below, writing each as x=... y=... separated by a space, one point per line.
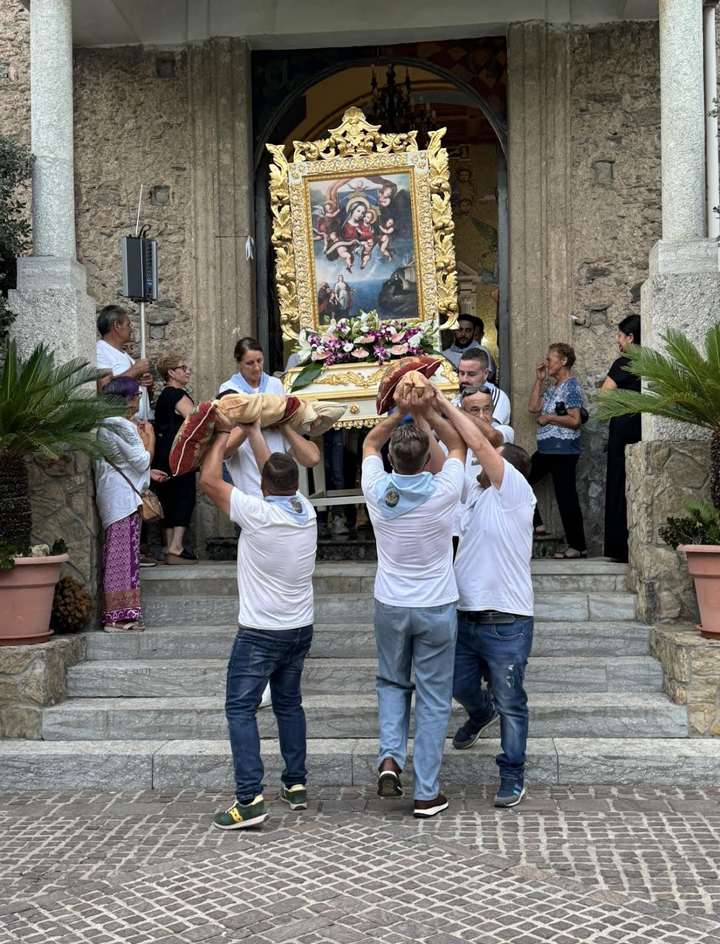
x=422 y=638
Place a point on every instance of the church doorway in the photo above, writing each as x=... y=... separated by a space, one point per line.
x=299 y=96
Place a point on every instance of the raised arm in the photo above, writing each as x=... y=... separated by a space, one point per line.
x=254 y=436
x=535 y=404
x=379 y=435
x=211 y=480
x=429 y=402
x=303 y=451
x=484 y=452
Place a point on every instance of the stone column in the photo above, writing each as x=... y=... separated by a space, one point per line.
x=539 y=207
x=51 y=301
x=682 y=111
x=219 y=96
x=682 y=292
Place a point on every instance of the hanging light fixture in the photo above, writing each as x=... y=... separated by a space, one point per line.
x=393 y=107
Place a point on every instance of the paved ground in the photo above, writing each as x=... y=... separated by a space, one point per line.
x=596 y=864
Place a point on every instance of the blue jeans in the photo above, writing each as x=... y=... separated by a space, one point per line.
x=423 y=638
x=259 y=656
x=497 y=652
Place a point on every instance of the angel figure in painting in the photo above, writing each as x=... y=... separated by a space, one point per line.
x=387 y=228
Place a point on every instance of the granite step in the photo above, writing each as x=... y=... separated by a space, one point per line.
x=174 y=765
x=147 y=678
x=166 y=610
x=350 y=640
x=607 y=715
x=220 y=579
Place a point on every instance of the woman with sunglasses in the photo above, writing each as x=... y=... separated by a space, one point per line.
x=177 y=494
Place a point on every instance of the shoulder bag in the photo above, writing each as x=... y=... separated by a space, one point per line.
x=150 y=508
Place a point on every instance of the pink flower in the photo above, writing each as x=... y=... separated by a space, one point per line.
x=396 y=338
x=360 y=353
x=320 y=355
x=330 y=361
x=399 y=349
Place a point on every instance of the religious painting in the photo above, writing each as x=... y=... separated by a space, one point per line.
x=363 y=233
x=363 y=238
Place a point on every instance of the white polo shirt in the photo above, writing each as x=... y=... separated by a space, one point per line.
x=415 y=549
x=492 y=566
x=275 y=564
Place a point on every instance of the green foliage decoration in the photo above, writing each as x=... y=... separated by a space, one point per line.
x=682 y=385
x=49 y=409
x=701 y=526
x=15 y=169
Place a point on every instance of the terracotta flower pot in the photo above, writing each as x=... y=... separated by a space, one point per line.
x=26 y=597
x=704 y=564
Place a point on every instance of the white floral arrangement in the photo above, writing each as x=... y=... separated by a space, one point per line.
x=365 y=338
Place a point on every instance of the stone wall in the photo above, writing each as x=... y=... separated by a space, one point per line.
x=615 y=216
x=63 y=506
x=32 y=677
x=131 y=128
x=662 y=476
x=691 y=674
x=15 y=70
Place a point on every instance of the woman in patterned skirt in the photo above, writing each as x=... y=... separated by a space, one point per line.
x=120 y=482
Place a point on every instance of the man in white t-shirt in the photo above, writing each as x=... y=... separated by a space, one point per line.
x=473 y=371
x=411 y=511
x=276 y=560
x=115 y=330
x=495 y=607
x=477 y=403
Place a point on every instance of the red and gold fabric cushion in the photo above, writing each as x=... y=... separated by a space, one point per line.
x=193 y=439
x=395 y=371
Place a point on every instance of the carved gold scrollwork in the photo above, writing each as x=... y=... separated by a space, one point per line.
x=354 y=135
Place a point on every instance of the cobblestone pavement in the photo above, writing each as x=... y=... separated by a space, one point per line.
x=596 y=864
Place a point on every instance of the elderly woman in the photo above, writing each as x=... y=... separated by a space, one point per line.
x=177 y=493
x=558 y=442
x=119 y=483
x=624 y=431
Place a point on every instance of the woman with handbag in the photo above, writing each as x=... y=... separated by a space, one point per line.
x=122 y=484
x=560 y=415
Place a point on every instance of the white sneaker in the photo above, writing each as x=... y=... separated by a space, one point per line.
x=266 y=699
x=339 y=526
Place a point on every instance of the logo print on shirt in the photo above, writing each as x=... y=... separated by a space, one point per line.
x=296 y=505
x=392 y=498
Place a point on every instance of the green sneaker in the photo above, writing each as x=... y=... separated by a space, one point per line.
x=241 y=815
x=295 y=796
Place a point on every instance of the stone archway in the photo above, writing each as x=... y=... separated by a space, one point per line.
x=277 y=129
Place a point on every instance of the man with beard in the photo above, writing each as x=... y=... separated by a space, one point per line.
x=473 y=371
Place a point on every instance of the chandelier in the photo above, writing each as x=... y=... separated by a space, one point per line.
x=394 y=108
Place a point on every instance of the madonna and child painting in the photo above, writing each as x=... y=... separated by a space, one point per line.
x=364 y=250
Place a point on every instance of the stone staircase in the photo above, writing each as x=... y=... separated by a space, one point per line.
x=146 y=710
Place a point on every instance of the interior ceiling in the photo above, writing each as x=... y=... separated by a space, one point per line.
x=283 y=24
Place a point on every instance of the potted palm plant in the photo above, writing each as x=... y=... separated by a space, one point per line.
x=48 y=409
x=684 y=385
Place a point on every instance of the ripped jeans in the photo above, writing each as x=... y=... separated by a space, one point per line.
x=497 y=652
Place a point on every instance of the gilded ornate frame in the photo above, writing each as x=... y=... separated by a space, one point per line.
x=356 y=147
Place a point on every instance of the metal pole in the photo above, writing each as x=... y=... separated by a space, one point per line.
x=712 y=165
x=144 y=398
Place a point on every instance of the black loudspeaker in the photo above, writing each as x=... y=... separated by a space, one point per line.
x=139 y=268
